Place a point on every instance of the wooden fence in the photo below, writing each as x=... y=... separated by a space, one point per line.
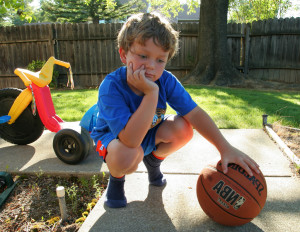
x=266 y=50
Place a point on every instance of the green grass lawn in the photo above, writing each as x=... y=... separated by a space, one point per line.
x=229 y=108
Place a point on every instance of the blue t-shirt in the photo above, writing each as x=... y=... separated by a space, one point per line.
x=117 y=102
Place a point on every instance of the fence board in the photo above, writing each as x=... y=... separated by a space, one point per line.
x=92 y=55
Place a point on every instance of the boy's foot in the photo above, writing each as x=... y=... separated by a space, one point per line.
x=115 y=195
x=155 y=176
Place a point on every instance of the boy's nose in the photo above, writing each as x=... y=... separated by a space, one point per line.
x=151 y=64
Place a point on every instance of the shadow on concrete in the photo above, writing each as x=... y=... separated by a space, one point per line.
x=150 y=215
x=54 y=166
x=284 y=206
x=40 y=157
x=136 y=213
x=14 y=157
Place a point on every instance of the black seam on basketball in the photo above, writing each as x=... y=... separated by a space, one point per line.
x=263 y=178
x=213 y=168
x=220 y=206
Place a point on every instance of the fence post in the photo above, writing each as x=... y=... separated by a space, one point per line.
x=54 y=39
x=247 y=46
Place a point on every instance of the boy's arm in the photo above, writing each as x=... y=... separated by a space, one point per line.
x=203 y=123
x=139 y=123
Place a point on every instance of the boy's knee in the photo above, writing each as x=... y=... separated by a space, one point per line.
x=184 y=129
x=124 y=159
x=130 y=165
x=132 y=168
x=177 y=130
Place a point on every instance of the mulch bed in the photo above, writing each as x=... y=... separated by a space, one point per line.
x=33 y=204
x=290 y=136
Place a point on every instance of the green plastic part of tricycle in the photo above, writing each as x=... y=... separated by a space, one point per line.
x=10 y=186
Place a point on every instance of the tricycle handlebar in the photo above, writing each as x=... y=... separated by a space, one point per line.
x=62 y=63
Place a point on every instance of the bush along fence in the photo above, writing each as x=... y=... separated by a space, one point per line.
x=267 y=50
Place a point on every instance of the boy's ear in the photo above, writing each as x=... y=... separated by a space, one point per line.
x=122 y=55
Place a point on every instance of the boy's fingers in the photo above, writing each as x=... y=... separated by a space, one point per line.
x=247 y=169
x=137 y=73
x=225 y=166
x=129 y=72
x=130 y=69
x=247 y=165
x=142 y=73
x=254 y=166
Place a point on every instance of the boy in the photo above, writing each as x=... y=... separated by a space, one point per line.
x=131 y=125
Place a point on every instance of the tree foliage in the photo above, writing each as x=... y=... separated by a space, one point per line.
x=245 y=11
x=6 y=5
x=240 y=11
x=172 y=7
x=88 y=10
x=15 y=10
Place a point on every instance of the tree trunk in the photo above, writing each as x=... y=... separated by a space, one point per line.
x=213 y=66
x=96 y=19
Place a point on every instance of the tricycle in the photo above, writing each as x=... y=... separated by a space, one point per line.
x=25 y=113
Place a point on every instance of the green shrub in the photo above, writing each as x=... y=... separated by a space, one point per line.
x=36 y=65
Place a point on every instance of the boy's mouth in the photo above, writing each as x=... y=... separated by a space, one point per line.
x=148 y=75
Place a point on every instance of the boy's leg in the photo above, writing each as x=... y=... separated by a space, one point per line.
x=171 y=135
x=152 y=164
x=115 y=195
x=120 y=160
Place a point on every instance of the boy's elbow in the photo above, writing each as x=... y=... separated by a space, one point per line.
x=129 y=141
x=131 y=144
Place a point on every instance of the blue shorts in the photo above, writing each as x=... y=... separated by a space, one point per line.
x=148 y=143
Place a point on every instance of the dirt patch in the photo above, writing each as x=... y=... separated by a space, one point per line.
x=33 y=204
x=290 y=136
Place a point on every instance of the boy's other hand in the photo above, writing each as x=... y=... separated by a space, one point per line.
x=139 y=81
x=233 y=155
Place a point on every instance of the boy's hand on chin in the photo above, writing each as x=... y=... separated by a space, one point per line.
x=139 y=81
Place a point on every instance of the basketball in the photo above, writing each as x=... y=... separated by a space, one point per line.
x=231 y=199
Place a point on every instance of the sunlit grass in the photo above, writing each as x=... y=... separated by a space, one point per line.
x=242 y=108
x=229 y=108
x=71 y=105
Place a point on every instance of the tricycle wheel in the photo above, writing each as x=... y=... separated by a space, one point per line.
x=70 y=146
x=27 y=128
x=86 y=135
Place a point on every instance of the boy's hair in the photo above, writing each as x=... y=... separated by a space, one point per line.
x=143 y=26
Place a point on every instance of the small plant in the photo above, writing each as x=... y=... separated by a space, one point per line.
x=40 y=173
x=36 y=65
x=97 y=186
x=73 y=196
x=52 y=220
x=89 y=208
x=297 y=168
x=84 y=182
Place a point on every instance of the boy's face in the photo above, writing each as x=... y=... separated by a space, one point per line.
x=153 y=57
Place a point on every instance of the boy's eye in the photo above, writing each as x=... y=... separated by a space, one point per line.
x=161 y=61
x=143 y=56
